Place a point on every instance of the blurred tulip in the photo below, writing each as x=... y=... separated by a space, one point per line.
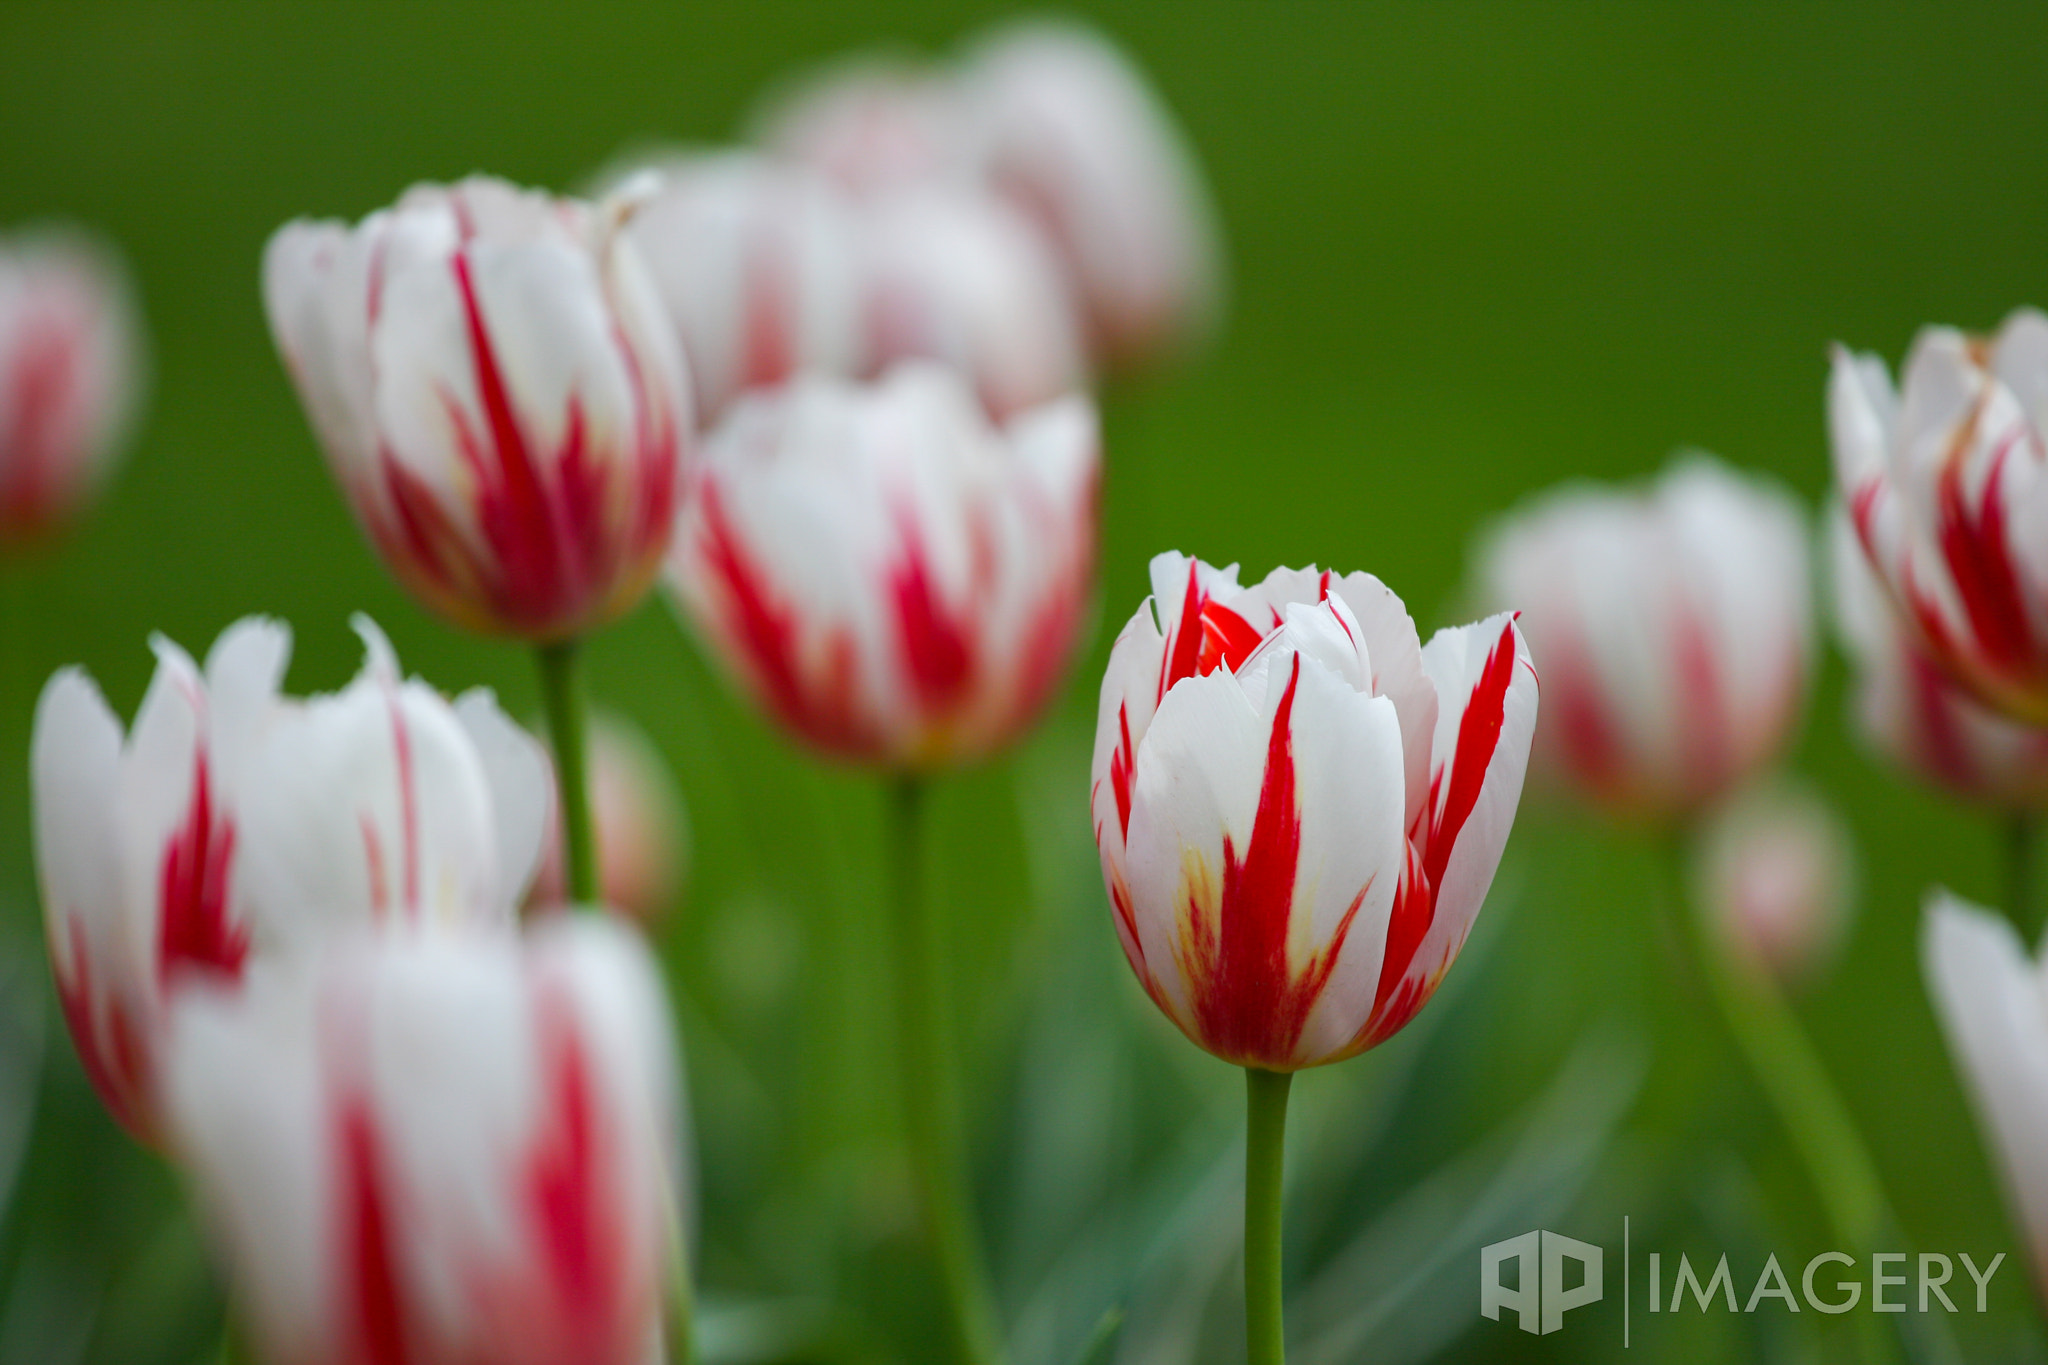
x=440 y=1150
x=1068 y=130
x=1298 y=806
x=70 y=376
x=759 y=268
x=498 y=393
x=1774 y=875
x=871 y=125
x=641 y=842
x=1989 y=995
x=1674 y=626
x=897 y=580
x=1916 y=715
x=1052 y=119
x=963 y=279
x=1947 y=485
x=232 y=821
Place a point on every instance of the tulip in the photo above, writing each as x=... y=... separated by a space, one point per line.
x=872 y=126
x=1946 y=487
x=232 y=823
x=897 y=580
x=1989 y=995
x=498 y=393
x=963 y=279
x=1773 y=875
x=641 y=848
x=1674 y=627
x=1067 y=129
x=759 y=270
x=70 y=376
x=439 y=1149
x=1299 y=807
x=1916 y=715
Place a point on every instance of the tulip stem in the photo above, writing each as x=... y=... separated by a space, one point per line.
x=2022 y=859
x=682 y=1291
x=931 y=1101
x=1265 y=1143
x=562 y=697
x=1795 y=1080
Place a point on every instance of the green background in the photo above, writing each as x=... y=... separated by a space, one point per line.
x=1474 y=250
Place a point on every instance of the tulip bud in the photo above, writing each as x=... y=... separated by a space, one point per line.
x=498 y=393
x=641 y=844
x=232 y=823
x=1673 y=624
x=1989 y=995
x=70 y=376
x=440 y=1150
x=1947 y=487
x=1299 y=807
x=897 y=580
x=1911 y=712
x=963 y=279
x=1773 y=876
x=759 y=271
x=1069 y=131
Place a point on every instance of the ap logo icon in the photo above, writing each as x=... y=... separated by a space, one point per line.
x=1539 y=1296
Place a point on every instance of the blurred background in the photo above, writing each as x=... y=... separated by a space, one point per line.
x=1473 y=250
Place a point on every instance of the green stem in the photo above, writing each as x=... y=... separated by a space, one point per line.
x=1795 y=1080
x=2022 y=858
x=931 y=1102
x=682 y=1293
x=1265 y=1142
x=562 y=698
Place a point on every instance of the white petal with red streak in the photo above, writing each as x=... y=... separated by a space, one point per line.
x=1396 y=652
x=316 y=294
x=520 y=778
x=1130 y=688
x=1988 y=995
x=74 y=766
x=1455 y=659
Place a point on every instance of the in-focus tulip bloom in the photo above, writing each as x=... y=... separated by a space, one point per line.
x=70 y=376
x=760 y=271
x=1914 y=714
x=642 y=845
x=232 y=823
x=440 y=1149
x=1774 y=875
x=1674 y=626
x=897 y=580
x=1300 y=807
x=1992 y=999
x=498 y=393
x=1947 y=485
x=1052 y=119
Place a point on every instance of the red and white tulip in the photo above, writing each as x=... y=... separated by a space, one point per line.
x=70 y=376
x=440 y=1149
x=1946 y=483
x=232 y=824
x=872 y=125
x=896 y=579
x=1916 y=715
x=499 y=394
x=1774 y=875
x=1674 y=624
x=759 y=268
x=1299 y=807
x=1991 y=996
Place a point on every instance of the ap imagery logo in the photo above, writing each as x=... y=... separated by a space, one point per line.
x=1542 y=1294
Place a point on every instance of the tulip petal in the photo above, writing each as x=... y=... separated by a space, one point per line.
x=517 y=771
x=1988 y=995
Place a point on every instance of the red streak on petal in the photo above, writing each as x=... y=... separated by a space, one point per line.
x=1398 y=998
x=1478 y=736
x=937 y=646
x=113 y=1050
x=1122 y=768
x=43 y=432
x=375 y=1313
x=1702 y=709
x=1250 y=1005
x=819 y=708
x=573 y=1202
x=1975 y=546
x=1227 y=638
x=196 y=929
x=408 y=802
x=767 y=350
x=1184 y=651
